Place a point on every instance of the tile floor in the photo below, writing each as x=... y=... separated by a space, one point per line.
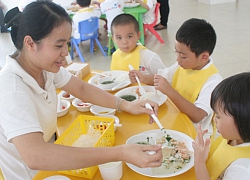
x=230 y=20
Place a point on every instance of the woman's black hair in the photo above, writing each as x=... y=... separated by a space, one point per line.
x=198 y=35
x=232 y=96
x=37 y=20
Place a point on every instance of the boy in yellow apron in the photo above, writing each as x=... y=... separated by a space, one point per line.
x=229 y=155
x=125 y=33
x=190 y=81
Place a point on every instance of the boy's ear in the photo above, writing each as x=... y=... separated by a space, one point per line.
x=204 y=56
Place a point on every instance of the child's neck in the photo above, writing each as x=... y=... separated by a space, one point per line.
x=235 y=142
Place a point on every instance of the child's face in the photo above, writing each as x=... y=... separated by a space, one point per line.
x=225 y=125
x=125 y=37
x=187 y=59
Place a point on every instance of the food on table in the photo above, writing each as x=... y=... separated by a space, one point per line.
x=128 y=97
x=89 y=139
x=175 y=157
x=66 y=95
x=107 y=82
x=82 y=104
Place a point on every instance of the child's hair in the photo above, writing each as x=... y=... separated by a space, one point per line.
x=37 y=20
x=83 y=3
x=232 y=96
x=124 y=19
x=198 y=35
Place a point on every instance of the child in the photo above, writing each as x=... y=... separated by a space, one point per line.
x=191 y=80
x=125 y=33
x=229 y=156
x=84 y=13
x=28 y=100
x=149 y=16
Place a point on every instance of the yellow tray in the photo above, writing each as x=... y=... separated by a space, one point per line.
x=105 y=125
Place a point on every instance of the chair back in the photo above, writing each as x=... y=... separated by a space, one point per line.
x=88 y=28
x=157 y=6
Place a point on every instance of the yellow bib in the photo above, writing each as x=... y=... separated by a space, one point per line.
x=189 y=82
x=121 y=60
x=86 y=10
x=222 y=155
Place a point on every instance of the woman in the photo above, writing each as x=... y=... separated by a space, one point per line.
x=28 y=101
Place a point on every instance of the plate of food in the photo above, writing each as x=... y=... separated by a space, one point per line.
x=131 y=4
x=151 y=94
x=177 y=156
x=112 y=79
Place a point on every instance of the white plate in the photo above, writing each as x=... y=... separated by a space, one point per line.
x=57 y=177
x=160 y=99
x=121 y=76
x=178 y=136
x=131 y=5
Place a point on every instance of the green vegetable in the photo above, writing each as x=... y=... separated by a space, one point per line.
x=107 y=82
x=128 y=97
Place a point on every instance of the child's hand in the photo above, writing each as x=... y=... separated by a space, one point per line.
x=133 y=73
x=161 y=84
x=201 y=147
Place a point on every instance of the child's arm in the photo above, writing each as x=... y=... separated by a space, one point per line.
x=194 y=113
x=142 y=4
x=201 y=150
x=144 y=78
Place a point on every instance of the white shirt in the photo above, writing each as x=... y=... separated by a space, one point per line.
x=203 y=100
x=149 y=17
x=81 y=16
x=150 y=62
x=25 y=108
x=111 y=8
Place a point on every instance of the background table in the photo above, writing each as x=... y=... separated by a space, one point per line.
x=168 y=114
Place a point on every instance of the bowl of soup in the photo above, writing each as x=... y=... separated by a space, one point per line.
x=106 y=82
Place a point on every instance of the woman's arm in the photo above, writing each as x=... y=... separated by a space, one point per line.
x=39 y=155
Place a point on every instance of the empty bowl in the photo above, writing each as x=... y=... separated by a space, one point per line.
x=100 y=111
x=80 y=105
x=106 y=82
x=64 y=108
x=66 y=96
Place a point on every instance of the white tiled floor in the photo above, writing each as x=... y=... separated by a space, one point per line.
x=231 y=21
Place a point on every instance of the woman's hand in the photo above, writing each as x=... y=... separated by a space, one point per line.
x=137 y=154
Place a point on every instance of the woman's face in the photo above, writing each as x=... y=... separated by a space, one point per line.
x=225 y=125
x=51 y=52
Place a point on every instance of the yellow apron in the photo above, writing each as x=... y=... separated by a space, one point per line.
x=121 y=60
x=86 y=10
x=222 y=155
x=189 y=82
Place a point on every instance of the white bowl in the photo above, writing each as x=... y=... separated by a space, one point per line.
x=128 y=96
x=106 y=82
x=116 y=119
x=141 y=139
x=101 y=111
x=66 y=96
x=80 y=105
x=64 y=108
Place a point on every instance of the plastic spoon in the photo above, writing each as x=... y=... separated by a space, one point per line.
x=155 y=118
x=141 y=89
x=122 y=84
x=101 y=74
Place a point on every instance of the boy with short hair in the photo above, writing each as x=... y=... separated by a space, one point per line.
x=191 y=80
x=125 y=33
x=86 y=12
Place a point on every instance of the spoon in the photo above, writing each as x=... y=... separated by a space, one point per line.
x=101 y=74
x=155 y=118
x=122 y=84
x=141 y=89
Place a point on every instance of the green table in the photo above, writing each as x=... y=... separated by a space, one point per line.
x=137 y=12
